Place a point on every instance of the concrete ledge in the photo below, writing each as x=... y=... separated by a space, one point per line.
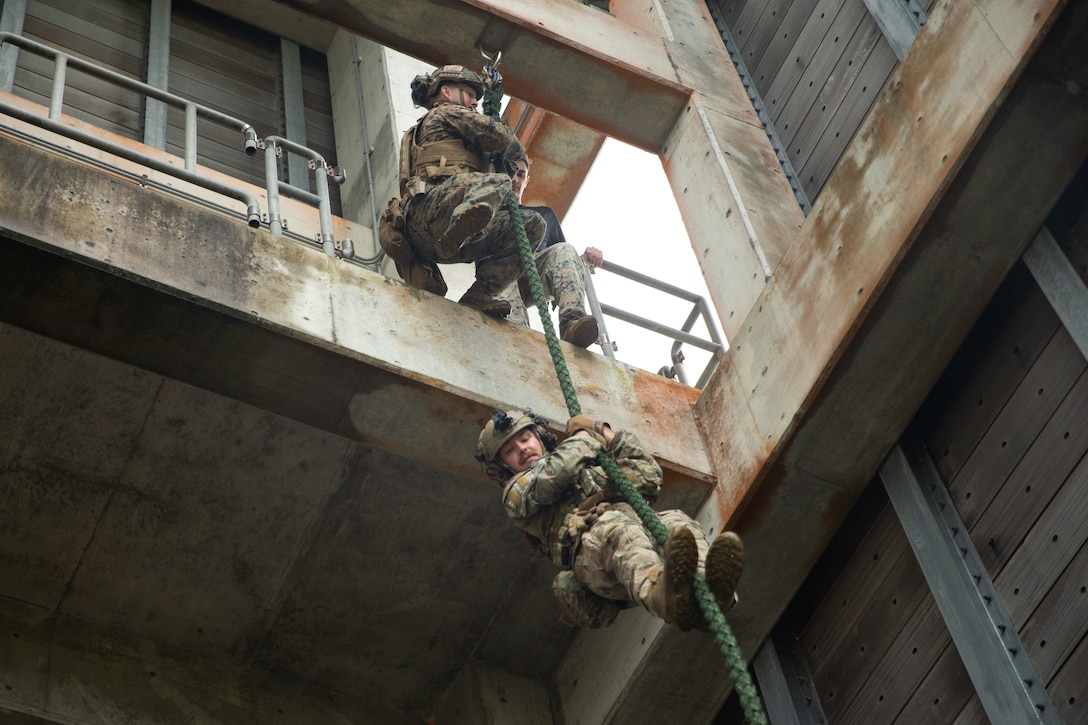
x=294 y=331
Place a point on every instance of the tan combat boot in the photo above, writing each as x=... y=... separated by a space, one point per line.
x=479 y=299
x=579 y=330
x=671 y=594
x=682 y=555
x=462 y=227
x=724 y=563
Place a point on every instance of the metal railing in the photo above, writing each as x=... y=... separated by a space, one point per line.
x=273 y=145
x=680 y=336
x=63 y=61
x=273 y=148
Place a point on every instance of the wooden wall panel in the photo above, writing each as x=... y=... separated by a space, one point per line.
x=731 y=9
x=992 y=361
x=1047 y=550
x=233 y=68
x=1009 y=426
x=820 y=72
x=972 y=713
x=830 y=127
x=1058 y=625
x=215 y=61
x=899 y=673
x=1037 y=478
x=863 y=615
x=764 y=29
x=764 y=61
x=943 y=693
x=110 y=33
x=317 y=101
x=818 y=65
x=852 y=590
x=804 y=54
x=1014 y=428
x=743 y=28
x=1069 y=689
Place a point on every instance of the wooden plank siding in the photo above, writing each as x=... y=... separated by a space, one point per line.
x=215 y=61
x=762 y=32
x=765 y=61
x=1007 y=426
x=317 y=102
x=943 y=693
x=838 y=113
x=223 y=64
x=818 y=65
x=110 y=33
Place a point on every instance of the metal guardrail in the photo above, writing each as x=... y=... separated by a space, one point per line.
x=273 y=145
x=63 y=61
x=680 y=336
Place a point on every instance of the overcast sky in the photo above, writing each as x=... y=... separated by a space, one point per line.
x=626 y=209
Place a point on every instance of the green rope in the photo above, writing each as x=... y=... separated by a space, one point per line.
x=723 y=635
x=492 y=100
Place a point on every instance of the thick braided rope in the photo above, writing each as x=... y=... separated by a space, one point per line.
x=528 y=265
x=723 y=635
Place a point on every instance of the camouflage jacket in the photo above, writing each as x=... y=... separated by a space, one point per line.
x=478 y=131
x=542 y=499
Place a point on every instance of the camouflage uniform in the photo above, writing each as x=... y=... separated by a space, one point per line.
x=607 y=554
x=560 y=269
x=428 y=216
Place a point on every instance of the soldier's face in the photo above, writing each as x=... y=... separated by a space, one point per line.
x=520 y=179
x=460 y=93
x=519 y=452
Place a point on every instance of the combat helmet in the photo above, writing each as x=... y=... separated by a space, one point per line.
x=425 y=87
x=503 y=426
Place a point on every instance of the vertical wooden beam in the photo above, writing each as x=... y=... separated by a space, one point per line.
x=158 y=73
x=11 y=21
x=294 y=112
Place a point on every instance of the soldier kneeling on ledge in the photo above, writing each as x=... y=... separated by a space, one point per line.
x=452 y=203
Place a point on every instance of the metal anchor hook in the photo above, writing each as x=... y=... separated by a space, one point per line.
x=492 y=62
x=491 y=70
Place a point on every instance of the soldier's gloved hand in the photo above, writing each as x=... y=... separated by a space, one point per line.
x=596 y=427
x=576 y=524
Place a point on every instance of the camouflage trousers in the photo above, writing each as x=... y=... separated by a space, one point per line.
x=494 y=249
x=560 y=270
x=616 y=556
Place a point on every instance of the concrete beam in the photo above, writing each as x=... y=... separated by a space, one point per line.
x=567 y=58
x=933 y=202
x=562 y=153
x=293 y=331
x=63 y=669
x=657 y=77
x=484 y=695
x=944 y=186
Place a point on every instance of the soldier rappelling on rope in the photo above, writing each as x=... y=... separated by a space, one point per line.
x=570 y=509
x=575 y=499
x=451 y=204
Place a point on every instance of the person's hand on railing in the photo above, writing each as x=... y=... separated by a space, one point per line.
x=593 y=256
